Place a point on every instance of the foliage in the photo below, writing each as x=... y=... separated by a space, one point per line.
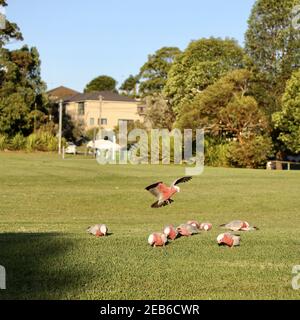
x=22 y=92
x=129 y=86
x=101 y=83
x=216 y=152
x=287 y=121
x=159 y=113
x=201 y=64
x=224 y=106
x=154 y=73
x=273 y=45
x=42 y=141
x=18 y=142
x=11 y=31
x=4 y=142
x=252 y=152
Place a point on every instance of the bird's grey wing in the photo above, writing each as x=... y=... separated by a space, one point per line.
x=181 y=180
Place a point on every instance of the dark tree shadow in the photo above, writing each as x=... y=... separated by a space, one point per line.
x=35 y=265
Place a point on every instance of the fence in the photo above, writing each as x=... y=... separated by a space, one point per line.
x=283 y=165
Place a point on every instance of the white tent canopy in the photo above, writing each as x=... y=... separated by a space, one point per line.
x=102 y=144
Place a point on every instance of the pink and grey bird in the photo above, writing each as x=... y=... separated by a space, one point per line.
x=187 y=230
x=98 y=230
x=228 y=239
x=163 y=193
x=206 y=226
x=194 y=223
x=157 y=239
x=238 y=225
x=170 y=232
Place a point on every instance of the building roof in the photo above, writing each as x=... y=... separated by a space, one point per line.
x=61 y=92
x=107 y=95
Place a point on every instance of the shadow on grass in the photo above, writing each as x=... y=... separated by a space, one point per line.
x=36 y=266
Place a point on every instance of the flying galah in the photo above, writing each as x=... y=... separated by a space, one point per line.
x=238 y=225
x=163 y=193
x=170 y=232
x=206 y=226
x=98 y=230
x=194 y=223
x=157 y=239
x=187 y=230
x=228 y=239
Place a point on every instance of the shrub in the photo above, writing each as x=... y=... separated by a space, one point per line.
x=4 y=142
x=42 y=141
x=18 y=142
x=253 y=152
x=216 y=152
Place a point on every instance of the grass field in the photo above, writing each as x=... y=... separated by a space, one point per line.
x=47 y=204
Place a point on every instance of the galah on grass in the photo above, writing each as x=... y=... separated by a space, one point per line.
x=194 y=223
x=238 y=225
x=187 y=230
x=228 y=239
x=163 y=193
x=206 y=226
x=157 y=239
x=98 y=230
x=170 y=232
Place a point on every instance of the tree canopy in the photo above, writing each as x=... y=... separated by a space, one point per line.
x=129 y=86
x=273 y=44
x=101 y=83
x=153 y=74
x=22 y=92
x=288 y=119
x=201 y=64
x=11 y=30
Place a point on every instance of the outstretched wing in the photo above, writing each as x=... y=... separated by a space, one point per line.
x=159 y=204
x=181 y=180
x=154 y=189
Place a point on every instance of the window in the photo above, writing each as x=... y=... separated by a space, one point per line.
x=104 y=121
x=92 y=121
x=81 y=108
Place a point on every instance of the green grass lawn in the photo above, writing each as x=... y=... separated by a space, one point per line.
x=47 y=203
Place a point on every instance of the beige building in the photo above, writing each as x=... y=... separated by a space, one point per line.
x=103 y=108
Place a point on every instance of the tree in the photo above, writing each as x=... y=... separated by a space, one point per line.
x=153 y=74
x=22 y=92
x=223 y=105
x=226 y=111
x=11 y=30
x=129 y=86
x=201 y=64
x=101 y=83
x=287 y=121
x=159 y=113
x=273 y=45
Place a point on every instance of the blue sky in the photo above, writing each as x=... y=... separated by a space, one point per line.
x=79 y=40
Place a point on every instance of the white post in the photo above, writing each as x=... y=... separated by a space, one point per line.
x=60 y=126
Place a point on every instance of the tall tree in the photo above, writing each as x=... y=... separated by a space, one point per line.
x=159 y=113
x=10 y=31
x=287 y=121
x=129 y=86
x=22 y=92
x=273 y=44
x=226 y=107
x=154 y=73
x=101 y=83
x=201 y=64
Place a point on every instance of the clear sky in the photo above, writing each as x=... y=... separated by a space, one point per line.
x=79 y=40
